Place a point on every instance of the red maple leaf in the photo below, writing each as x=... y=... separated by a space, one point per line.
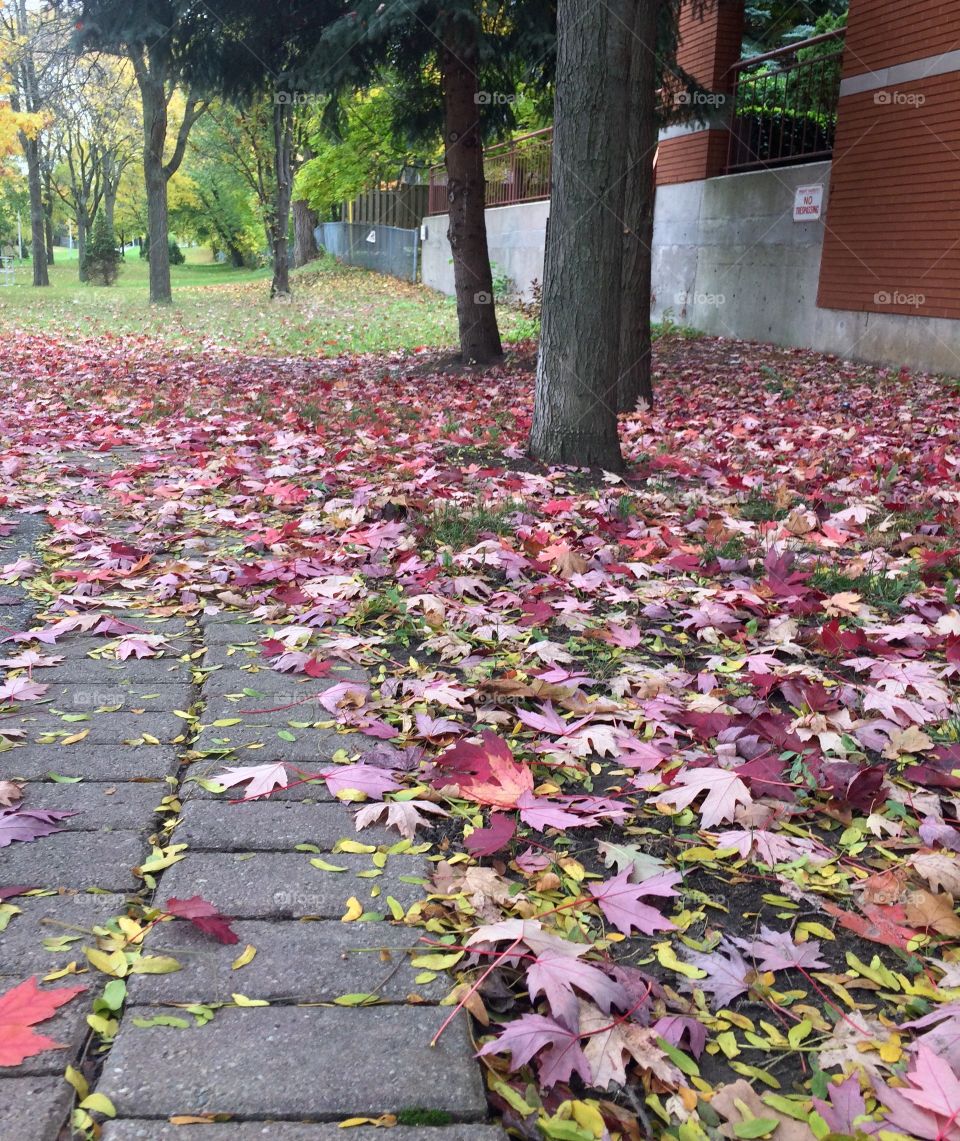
x=485 y=773
x=203 y=915
x=23 y=1007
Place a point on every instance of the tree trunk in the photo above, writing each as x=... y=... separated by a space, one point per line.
x=109 y=205
x=38 y=231
x=155 y=183
x=467 y=230
x=282 y=157
x=636 y=380
x=575 y=407
x=82 y=244
x=304 y=243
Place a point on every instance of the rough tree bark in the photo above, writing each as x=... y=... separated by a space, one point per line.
x=635 y=382
x=280 y=222
x=575 y=407
x=38 y=227
x=304 y=243
x=467 y=231
x=156 y=89
x=82 y=246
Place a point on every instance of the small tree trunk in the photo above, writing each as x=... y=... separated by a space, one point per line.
x=109 y=205
x=575 y=407
x=82 y=244
x=635 y=381
x=155 y=184
x=304 y=223
x=48 y=231
x=467 y=231
x=38 y=232
x=282 y=156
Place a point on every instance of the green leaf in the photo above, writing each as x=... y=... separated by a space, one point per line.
x=755 y=1127
x=684 y=1063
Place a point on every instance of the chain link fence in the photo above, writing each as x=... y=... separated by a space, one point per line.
x=386 y=249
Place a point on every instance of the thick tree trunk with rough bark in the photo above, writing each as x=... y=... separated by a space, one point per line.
x=280 y=223
x=635 y=381
x=467 y=231
x=155 y=183
x=304 y=243
x=575 y=407
x=48 y=231
x=38 y=228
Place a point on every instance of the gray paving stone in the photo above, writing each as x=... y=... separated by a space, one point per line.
x=120 y=805
x=68 y=1028
x=22 y=952
x=159 y=698
x=93 y=762
x=270 y=884
x=259 y=741
x=234 y=656
x=150 y=671
x=264 y=826
x=305 y=961
x=266 y=681
x=309 y=792
x=34 y=1109
x=290 y=1061
x=146 y=1130
x=75 y=860
x=226 y=633
x=101 y=728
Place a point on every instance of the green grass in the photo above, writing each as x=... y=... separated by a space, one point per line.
x=876 y=589
x=456 y=527
x=335 y=309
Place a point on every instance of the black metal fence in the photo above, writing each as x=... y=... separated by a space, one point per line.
x=785 y=105
x=386 y=249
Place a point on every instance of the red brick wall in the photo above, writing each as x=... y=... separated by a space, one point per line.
x=708 y=48
x=885 y=31
x=892 y=237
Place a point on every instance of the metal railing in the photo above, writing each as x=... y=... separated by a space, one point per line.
x=785 y=104
x=515 y=171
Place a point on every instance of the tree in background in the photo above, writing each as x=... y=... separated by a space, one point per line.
x=102 y=261
x=458 y=65
x=168 y=43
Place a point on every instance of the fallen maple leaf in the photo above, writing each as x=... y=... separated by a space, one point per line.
x=554 y=974
x=263 y=778
x=620 y=901
x=724 y=789
x=203 y=915
x=532 y=1033
x=22 y=689
x=494 y=838
x=370 y=780
x=611 y=1042
x=23 y=1007
x=776 y=951
x=10 y=793
x=486 y=773
x=404 y=815
x=726 y=973
x=27 y=824
x=927 y=1107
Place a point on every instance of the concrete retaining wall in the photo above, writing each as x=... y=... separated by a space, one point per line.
x=728 y=259
x=516 y=236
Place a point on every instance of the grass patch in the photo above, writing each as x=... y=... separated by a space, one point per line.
x=876 y=589
x=334 y=309
x=760 y=508
x=453 y=526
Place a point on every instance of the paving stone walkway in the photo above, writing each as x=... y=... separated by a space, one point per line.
x=276 y=1071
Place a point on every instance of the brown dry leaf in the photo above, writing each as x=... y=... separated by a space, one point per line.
x=800 y=522
x=912 y=740
x=845 y=602
x=935 y=912
x=731 y=1100
x=941 y=872
x=567 y=562
x=466 y=994
x=884 y=887
x=10 y=793
x=609 y=1045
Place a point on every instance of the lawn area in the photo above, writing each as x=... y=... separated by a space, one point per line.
x=335 y=309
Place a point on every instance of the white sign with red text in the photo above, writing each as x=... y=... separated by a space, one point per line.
x=808 y=203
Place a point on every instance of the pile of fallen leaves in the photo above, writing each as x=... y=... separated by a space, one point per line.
x=684 y=743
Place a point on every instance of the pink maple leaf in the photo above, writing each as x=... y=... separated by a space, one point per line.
x=532 y=1033
x=540 y=813
x=263 y=778
x=22 y=689
x=620 y=901
x=25 y=824
x=368 y=779
x=499 y=832
x=555 y=974
x=724 y=789
x=725 y=973
x=776 y=951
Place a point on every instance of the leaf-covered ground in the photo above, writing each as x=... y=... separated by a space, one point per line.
x=684 y=742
